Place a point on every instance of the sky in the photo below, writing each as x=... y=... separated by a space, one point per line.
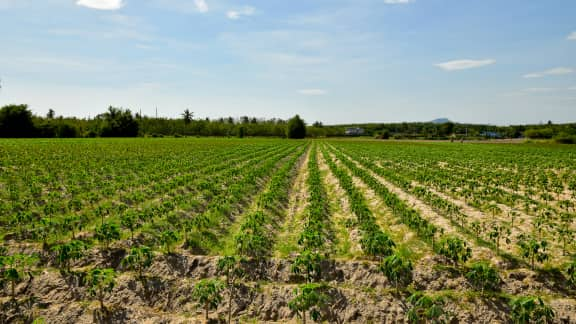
x=337 y=61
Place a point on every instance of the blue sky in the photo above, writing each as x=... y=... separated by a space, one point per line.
x=337 y=61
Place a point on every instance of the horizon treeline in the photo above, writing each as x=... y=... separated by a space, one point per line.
x=17 y=121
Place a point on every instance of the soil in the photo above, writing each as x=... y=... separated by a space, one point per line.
x=359 y=292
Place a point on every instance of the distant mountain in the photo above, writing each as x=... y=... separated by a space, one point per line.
x=441 y=121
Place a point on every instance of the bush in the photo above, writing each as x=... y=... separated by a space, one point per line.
x=564 y=138
x=296 y=128
x=539 y=133
x=16 y=121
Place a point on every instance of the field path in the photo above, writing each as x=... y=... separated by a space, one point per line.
x=286 y=243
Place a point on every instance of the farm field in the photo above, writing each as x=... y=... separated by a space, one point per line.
x=174 y=230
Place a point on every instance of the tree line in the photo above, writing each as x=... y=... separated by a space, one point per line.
x=18 y=121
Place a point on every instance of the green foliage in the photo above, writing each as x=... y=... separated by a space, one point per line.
x=377 y=244
x=208 y=293
x=241 y=132
x=309 y=264
x=129 y=220
x=539 y=133
x=118 y=123
x=528 y=309
x=533 y=249
x=16 y=121
x=15 y=268
x=311 y=297
x=231 y=267
x=107 y=233
x=454 y=249
x=253 y=240
x=296 y=128
x=571 y=273
x=397 y=269
x=168 y=239
x=426 y=309
x=68 y=252
x=101 y=282
x=497 y=233
x=187 y=116
x=483 y=276
x=138 y=259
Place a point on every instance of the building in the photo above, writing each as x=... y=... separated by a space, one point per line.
x=354 y=131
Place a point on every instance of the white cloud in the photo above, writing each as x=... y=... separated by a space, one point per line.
x=464 y=64
x=398 y=1
x=201 y=5
x=572 y=36
x=572 y=88
x=312 y=92
x=101 y=4
x=236 y=14
x=554 y=71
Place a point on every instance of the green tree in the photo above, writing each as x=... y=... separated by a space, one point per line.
x=483 y=277
x=107 y=232
x=308 y=263
x=426 y=309
x=129 y=220
x=100 y=283
x=15 y=268
x=533 y=249
x=241 y=131
x=208 y=293
x=231 y=267
x=168 y=239
x=310 y=297
x=138 y=259
x=118 y=122
x=187 y=116
x=16 y=121
x=497 y=233
x=529 y=309
x=454 y=249
x=397 y=269
x=296 y=128
x=377 y=244
x=70 y=251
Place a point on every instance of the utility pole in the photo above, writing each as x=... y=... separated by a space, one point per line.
x=156 y=112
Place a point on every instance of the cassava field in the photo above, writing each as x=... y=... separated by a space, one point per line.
x=258 y=230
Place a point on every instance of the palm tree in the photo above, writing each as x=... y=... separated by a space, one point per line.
x=187 y=116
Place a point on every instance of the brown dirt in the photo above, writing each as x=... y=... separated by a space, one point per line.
x=361 y=294
x=298 y=201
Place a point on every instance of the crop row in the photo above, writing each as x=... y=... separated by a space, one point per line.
x=374 y=242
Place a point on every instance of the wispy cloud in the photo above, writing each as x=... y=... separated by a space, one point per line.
x=554 y=71
x=398 y=1
x=101 y=4
x=312 y=92
x=572 y=36
x=201 y=5
x=464 y=64
x=236 y=14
